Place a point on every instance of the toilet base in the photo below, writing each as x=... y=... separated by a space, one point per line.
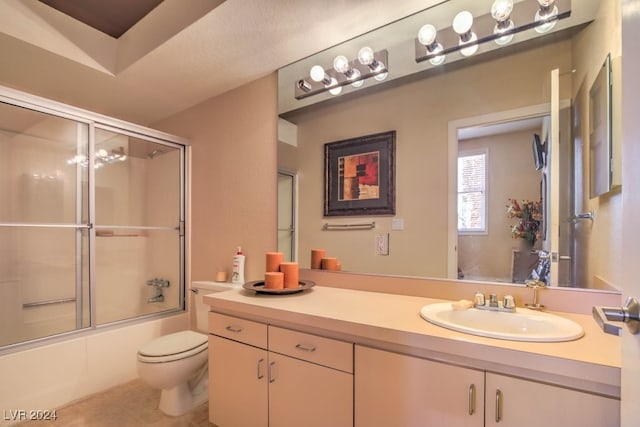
x=184 y=397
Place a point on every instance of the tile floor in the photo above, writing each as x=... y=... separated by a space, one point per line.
x=133 y=404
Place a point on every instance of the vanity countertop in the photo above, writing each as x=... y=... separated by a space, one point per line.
x=393 y=322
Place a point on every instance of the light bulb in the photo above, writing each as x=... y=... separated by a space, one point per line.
x=317 y=73
x=501 y=10
x=501 y=28
x=341 y=64
x=365 y=55
x=102 y=153
x=335 y=90
x=546 y=16
x=462 y=22
x=427 y=34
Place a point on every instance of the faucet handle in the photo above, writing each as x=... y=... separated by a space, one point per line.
x=479 y=299
x=508 y=302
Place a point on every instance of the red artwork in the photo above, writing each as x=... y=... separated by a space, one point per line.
x=359 y=175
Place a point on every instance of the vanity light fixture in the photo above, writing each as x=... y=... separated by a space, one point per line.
x=505 y=19
x=546 y=16
x=343 y=73
x=468 y=42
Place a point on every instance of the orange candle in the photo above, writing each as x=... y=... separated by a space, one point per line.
x=274 y=259
x=329 y=263
x=316 y=258
x=291 y=274
x=273 y=280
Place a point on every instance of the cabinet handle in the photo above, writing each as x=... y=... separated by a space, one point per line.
x=307 y=348
x=271 y=376
x=498 y=405
x=472 y=399
x=260 y=374
x=235 y=329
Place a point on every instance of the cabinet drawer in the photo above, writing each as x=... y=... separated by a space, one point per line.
x=237 y=329
x=323 y=351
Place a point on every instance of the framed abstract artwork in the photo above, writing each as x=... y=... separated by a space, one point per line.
x=359 y=176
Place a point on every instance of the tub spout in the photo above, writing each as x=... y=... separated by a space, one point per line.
x=157 y=298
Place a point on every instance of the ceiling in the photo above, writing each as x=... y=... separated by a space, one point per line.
x=176 y=56
x=114 y=17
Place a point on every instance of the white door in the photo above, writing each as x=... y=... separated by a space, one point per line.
x=631 y=204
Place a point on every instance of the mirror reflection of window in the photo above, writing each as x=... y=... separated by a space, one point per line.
x=472 y=192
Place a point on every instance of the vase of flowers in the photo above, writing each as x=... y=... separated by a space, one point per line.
x=529 y=216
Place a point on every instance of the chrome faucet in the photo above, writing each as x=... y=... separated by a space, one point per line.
x=159 y=284
x=507 y=304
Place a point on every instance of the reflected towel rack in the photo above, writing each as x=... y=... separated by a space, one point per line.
x=352 y=226
x=582 y=216
x=54 y=301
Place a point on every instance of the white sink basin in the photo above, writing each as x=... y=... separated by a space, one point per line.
x=521 y=325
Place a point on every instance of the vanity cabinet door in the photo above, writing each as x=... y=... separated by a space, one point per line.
x=521 y=403
x=307 y=394
x=397 y=390
x=238 y=387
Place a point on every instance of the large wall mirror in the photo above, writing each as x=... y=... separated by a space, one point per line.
x=515 y=115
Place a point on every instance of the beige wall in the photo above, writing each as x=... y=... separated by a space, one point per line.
x=511 y=174
x=419 y=111
x=233 y=174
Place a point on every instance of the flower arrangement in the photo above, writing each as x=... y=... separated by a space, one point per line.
x=530 y=215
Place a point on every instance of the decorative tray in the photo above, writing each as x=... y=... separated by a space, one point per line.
x=258 y=286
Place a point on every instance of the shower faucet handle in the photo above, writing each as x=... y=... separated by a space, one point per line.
x=160 y=283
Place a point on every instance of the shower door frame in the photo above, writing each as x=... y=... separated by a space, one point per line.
x=94 y=120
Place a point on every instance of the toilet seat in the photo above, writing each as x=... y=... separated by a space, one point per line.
x=172 y=347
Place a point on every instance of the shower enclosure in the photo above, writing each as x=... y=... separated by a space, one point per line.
x=92 y=217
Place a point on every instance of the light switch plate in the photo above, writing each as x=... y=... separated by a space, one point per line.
x=397 y=224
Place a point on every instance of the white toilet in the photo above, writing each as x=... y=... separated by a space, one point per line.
x=177 y=363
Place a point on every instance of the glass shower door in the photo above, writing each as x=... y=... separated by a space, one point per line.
x=43 y=225
x=139 y=226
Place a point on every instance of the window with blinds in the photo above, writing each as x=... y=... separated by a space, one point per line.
x=472 y=192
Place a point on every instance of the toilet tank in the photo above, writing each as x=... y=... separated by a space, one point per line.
x=199 y=290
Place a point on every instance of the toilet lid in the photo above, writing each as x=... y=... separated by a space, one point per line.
x=176 y=343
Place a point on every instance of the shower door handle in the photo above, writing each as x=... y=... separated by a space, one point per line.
x=629 y=314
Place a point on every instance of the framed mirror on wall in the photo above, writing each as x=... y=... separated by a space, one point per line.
x=420 y=100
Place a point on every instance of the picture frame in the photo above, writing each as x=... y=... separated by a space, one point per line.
x=359 y=175
x=600 y=150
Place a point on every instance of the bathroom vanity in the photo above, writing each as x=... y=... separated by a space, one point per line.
x=342 y=357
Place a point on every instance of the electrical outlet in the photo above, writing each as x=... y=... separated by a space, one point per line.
x=382 y=244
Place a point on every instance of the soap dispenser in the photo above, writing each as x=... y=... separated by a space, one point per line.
x=237 y=271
